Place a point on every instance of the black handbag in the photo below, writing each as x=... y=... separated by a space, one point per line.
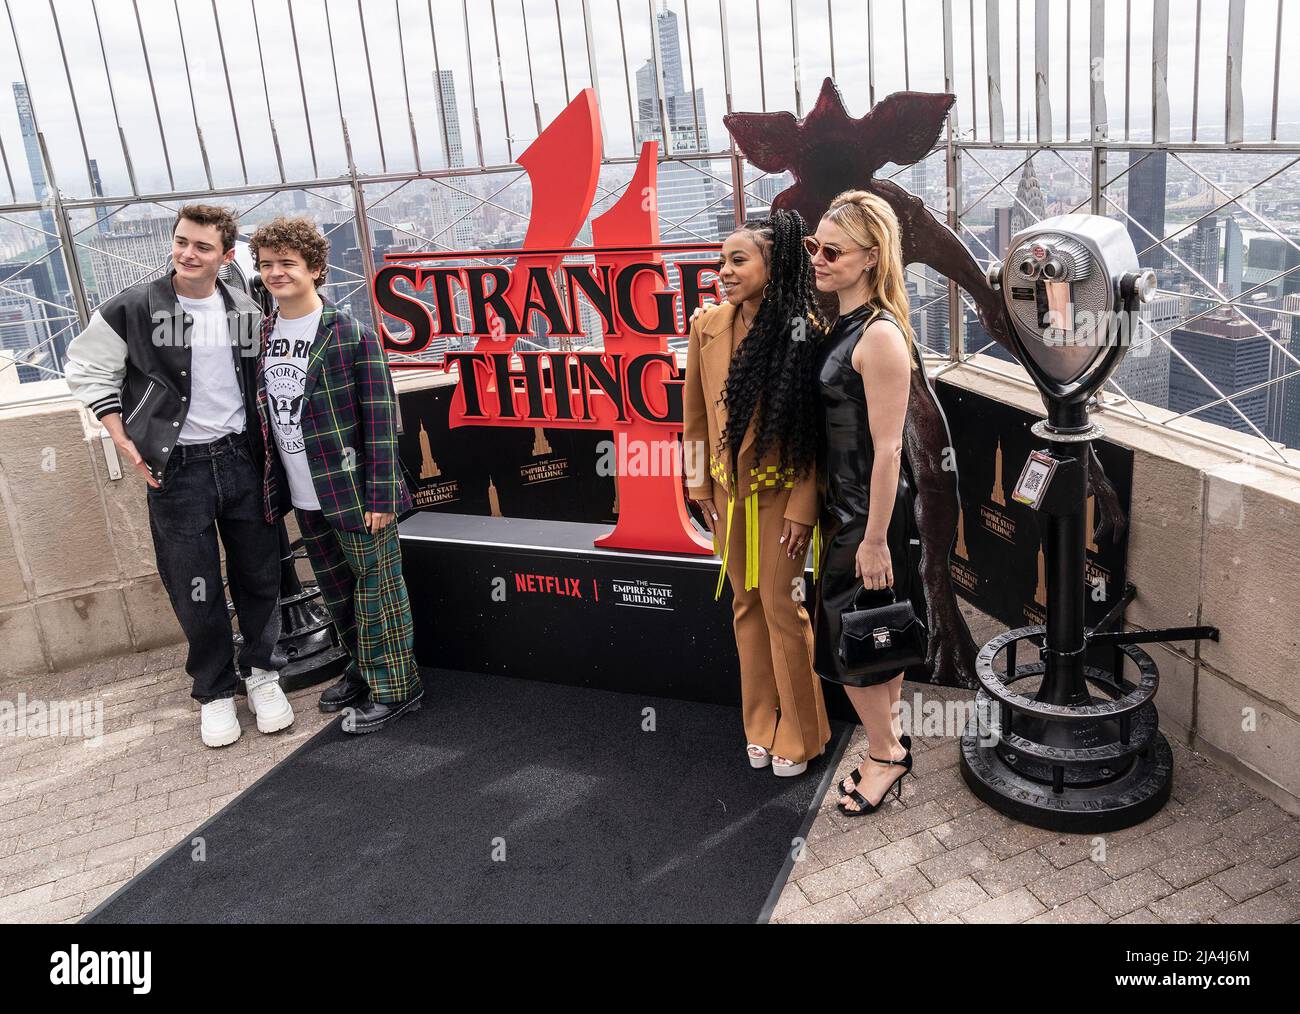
x=877 y=639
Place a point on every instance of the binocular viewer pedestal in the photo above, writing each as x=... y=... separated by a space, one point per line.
x=1081 y=752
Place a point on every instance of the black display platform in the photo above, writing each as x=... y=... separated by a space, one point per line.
x=522 y=597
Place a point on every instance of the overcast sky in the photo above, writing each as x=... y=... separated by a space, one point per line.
x=402 y=63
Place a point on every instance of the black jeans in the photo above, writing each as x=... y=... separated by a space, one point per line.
x=209 y=489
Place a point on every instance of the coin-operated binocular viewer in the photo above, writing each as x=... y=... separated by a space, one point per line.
x=1059 y=743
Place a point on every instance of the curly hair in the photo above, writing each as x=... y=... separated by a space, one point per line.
x=770 y=378
x=297 y=234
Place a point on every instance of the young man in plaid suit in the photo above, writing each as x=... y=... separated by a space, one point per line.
x=328 y=410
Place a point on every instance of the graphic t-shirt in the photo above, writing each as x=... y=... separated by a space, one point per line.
x=284 y=374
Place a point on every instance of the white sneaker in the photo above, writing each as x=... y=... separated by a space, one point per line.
x=219 y=725
x=267 y=701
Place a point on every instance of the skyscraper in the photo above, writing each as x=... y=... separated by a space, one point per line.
x=132 y=251
x=1288 y=414
x=1031 y=205
x=1205 y=249
x=456 y=211
x=1234 y=258
x=1001 y=234
x=1233 y=356
x=103 y=225
x=684 y=193
x=1143 y=374
x=40 y=186
x=52 y=263
x=1147 y=179
x=23 y=328
x=1272 y=256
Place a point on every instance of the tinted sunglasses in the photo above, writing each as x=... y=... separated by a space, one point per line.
x=830 y=253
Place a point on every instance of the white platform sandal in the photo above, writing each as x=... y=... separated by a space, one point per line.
x=758 y=757
x=789 y=770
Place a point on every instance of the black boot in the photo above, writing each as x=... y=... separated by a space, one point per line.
x=348 y=690
x=374 y=715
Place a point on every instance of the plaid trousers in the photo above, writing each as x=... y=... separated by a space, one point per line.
x=360 y=578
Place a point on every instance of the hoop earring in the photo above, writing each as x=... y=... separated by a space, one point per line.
x=767 y=290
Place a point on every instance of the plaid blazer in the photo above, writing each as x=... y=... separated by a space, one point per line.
x=349 y=426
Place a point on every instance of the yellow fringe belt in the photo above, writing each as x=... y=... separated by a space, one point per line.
x=767 y=477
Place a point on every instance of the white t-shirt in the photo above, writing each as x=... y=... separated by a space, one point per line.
x=216 y=405
x=284 y=373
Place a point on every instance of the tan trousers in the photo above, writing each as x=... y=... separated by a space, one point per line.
x=781 y=696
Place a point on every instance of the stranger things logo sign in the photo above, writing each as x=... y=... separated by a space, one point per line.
x=633 y=388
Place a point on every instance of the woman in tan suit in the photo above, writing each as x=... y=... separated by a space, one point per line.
x=750 y=412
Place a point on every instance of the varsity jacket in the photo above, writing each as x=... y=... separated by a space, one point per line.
x=134 y=357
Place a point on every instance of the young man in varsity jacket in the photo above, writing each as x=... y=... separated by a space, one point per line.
x=169 y=368
x=328 y=412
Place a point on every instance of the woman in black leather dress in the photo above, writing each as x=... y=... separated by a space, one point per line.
x=863 y=375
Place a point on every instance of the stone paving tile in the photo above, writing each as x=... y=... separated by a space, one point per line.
x=1171 y=812
x=1247 y=880
x=934 y=785
x=1068 y=849
x=908 y=852
x=1270 y=907
x=960 y=862
x=1137 y=890
x=960 y=801
x=896 y=915
x=858 y=840
x=1256 y=820
x=1026 y=868
x=969 y=826
x=837 y=879
x=1190 y=866
x=890 y=891
x=1080 y=910
x=834 y=910
x=903 y=824
x=1195 y=904
x=1142 y=915
x=1222 y=797
x=1016 y=838
x=1185 y=832
x=1133 y=854
x=791 y=900
x=959 y=895
x=806 y=861
x=1015 y=906
x=1067 y=884
x=1277 y=847
x=78 y=884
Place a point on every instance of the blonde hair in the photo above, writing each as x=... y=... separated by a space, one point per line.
x=869 y=221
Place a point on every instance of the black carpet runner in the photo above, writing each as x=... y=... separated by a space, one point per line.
x=502 y=800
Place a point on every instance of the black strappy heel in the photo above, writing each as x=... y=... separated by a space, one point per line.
x=864 y=807
x=856 y=775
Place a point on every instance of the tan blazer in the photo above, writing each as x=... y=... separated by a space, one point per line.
x=708 y=358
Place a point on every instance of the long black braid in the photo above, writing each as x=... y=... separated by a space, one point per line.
x=771 y=373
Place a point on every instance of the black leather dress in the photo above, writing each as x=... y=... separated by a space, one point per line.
x=844 y=472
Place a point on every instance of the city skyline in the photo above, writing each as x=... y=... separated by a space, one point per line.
x=112 y=86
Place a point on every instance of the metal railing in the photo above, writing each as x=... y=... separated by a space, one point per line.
x=355 y=113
